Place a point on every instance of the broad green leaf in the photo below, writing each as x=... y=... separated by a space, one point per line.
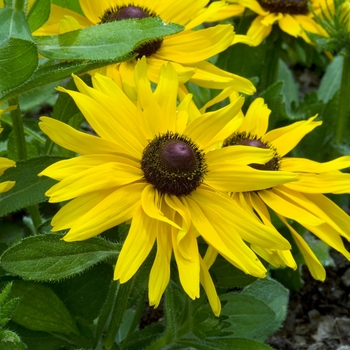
x=40 y=309
x=29 y=188
x=51 y=73
x=89 y=288
x=224 y=344
x=248 y=316
x=6 y=306
x=226 y=275
x=330 y=82
x=272 y=294
x=39 y=340
x=290 y=88
x=48 y=258
x=18 y=52
x=38 y=14
x=104 y=42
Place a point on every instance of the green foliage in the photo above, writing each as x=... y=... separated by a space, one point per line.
x=119 y=40
x=18 y=52
x=48 y=258
x=30 y=188
x=38 y=14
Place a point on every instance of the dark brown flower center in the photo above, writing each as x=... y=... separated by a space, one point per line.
x=244 y=139
x=173 y=164
x=293 y=7
x=120 y=13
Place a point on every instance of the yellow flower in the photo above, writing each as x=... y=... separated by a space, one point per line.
x=188 y=50
x=301 y=201
x=292 y=16
x=4 y=165
x=150 y=165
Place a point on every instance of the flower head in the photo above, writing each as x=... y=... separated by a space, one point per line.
x=150 y=165
x=293 y=17
x=4 y=165
x=301 y=201
x=188 y=50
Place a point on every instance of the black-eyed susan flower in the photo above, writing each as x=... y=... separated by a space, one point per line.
x=188 y=50
x=4 y=165
x=301 y=201
x=148 y=164
x=292 y=16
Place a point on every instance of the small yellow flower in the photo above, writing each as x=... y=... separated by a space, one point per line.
x=149 y=164
x=292 y=16
x=187 y=50
x=301 y=201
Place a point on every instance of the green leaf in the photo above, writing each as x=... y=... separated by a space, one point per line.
x=6 y=306
x=18 y=52
x=290 y=88
x=105 y=42
x=38 y=14
x=226 y=275
x=29 y=188
x=51 y=73
x=48 y=258
x=225 y=344
x=275 y=296
x=330 y=82
x=40 y=309
x=248 y=316
x=87 y=289
x=10 y=341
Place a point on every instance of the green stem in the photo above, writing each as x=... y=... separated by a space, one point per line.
x=344 y=105
x=34 y=213
x=118 y=311
x=20 y=5
x=18 y=129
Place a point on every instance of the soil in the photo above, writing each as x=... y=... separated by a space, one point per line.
x=319 y=313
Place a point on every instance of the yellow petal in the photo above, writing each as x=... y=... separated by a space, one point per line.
x=74 y=140
x=316 y=269
x=65 y=168
x=205 y=130
x=94 y=10
x=309 y=166
x=138 y=244
x=5 y=164
x=236 y=178
x=256 y=120
x=160 y=272
x=254 y=6
x=100 y=177
x=257 y=32
x=286 y=138
x=6 y=186
x=284 y=204
x=208 y=285
x=68 y=24
x=189 y=271
x=113 y=210
x=209 y=76
x=336 y=183
x=290 y=25
x=190 y=47
x=151 y=203
x=76 y=208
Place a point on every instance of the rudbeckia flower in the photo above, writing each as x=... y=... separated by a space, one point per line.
x=4 y=165
x=149 y=165
x=292 y=16
x=188 y=50
x=301 y=201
